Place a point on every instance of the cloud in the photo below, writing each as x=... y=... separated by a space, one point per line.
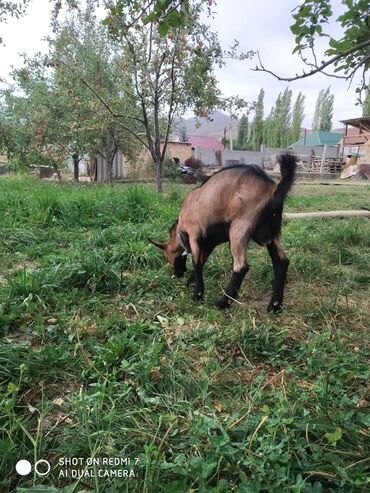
x=263 y=25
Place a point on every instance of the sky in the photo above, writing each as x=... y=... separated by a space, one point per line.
x=261 y=25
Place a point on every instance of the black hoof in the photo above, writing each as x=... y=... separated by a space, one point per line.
x=223 y=303
x=190 y=280
x=197 y=296
x=274 y=306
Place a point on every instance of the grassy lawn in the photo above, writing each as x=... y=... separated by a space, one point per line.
x=103 y=355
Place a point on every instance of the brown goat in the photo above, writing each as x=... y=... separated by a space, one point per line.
x=236 y=204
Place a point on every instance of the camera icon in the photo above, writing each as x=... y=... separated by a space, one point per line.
x=42 y=467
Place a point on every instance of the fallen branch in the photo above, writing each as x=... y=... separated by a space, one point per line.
x=302 y=215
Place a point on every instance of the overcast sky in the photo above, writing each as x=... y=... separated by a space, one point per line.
x=261 y=25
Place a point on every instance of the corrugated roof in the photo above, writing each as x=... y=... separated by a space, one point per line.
x=205 y=142
x=318 y=138
x=361 y=122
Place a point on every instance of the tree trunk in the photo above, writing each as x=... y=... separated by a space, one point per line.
x=158 y=174
x=76 y=166
x=110 y=152
x=158 y=161
x=95 y=169
x=110 y=168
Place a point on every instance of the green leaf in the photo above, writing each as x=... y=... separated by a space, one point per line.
x=335 y=436
x=12 y=387
x=163 y=28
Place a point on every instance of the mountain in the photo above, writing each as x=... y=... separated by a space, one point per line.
x=213 y=127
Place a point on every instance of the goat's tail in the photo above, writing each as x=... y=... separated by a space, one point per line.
x=288 y=165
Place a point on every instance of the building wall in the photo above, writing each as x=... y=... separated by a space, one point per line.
x=317 y=150
x=241 y=157
x=179 y=149
x=364 y=153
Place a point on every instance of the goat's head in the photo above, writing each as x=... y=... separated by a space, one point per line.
x=173 y=252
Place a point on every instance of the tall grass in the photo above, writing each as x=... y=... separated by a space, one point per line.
x=102 y=354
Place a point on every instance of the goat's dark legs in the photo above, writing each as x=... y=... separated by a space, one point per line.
x=199 y=253
x=232 y=290
x=198 y=278
x=238 y=241
x=280 y=264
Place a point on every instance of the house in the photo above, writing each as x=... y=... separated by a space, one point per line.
x=318 y=138
x=207 y=149
x=356 y=145
x=182 y=150
x=357 y=132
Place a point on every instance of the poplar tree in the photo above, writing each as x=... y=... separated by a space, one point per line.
x=283 y=118
x=326 y=121
x=323 y=115
x=297 y=117
x=242 y=141
x=277 y=125
x=268 y=128
x=256 y=135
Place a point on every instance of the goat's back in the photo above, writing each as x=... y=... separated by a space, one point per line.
x=238 y=192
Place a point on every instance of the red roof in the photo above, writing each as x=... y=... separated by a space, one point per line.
x=205 y=142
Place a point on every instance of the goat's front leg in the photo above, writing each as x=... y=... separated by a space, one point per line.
x=199 y=283
x=280 y=263
x=204 y=252
x=240 y=268
x=198 y=262
x=200 y=251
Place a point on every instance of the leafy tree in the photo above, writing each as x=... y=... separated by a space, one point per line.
x=277 y=131
x=272 y=137
x=166 y=14
x=98 y=95
x=344 y=57
x=243 y=126
x=27 y=123
x=9 y=8
x=268 y=128
x=323 y=115
x=317 y=114
x=256 y=133
x=57 y=93
x=326 y=121
x=297 y=117
x=283 y=118
x=170 y=73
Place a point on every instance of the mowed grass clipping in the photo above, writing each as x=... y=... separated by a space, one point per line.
x=102 y=354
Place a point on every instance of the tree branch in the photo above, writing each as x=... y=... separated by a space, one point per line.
x=317 y=69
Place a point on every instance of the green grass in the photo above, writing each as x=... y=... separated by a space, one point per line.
x=102 y=354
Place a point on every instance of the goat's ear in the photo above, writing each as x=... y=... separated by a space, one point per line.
x=159 y=244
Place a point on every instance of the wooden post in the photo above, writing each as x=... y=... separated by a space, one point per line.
x=323 y=159
x=348 y=213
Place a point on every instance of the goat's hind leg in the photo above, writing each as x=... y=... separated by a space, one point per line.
x=280 y=263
